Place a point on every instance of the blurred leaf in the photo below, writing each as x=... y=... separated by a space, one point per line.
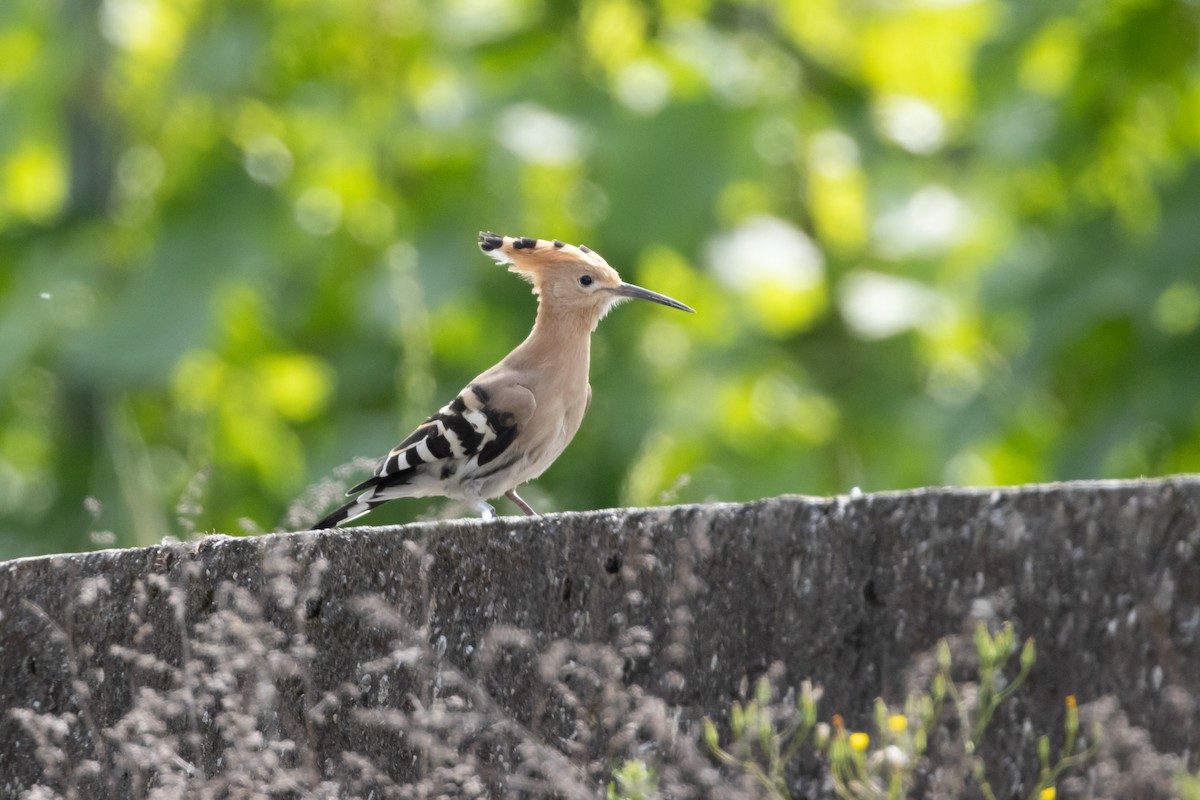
x=924 y=242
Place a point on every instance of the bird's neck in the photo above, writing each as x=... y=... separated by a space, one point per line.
x=561 y=341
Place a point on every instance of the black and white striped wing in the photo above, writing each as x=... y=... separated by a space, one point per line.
x=449 y=447
x=467 y=428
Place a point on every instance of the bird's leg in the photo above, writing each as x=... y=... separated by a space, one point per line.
x=511 y=494
x=480 y=506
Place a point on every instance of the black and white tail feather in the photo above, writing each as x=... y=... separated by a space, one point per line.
x=449 y=454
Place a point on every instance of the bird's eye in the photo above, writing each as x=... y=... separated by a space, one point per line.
x=585 y=280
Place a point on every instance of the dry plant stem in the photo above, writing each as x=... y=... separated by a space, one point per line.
x=185 y=657
x=497 y=718
x=280 y=565
x=753 y=768
x=63 y=637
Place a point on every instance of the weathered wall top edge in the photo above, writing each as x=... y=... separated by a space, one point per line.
x=517 y=523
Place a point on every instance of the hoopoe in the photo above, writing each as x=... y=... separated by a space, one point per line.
x=511 y=422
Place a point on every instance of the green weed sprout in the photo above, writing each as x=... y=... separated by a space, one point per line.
x=1045 y=789
x=633 y=780
x=766 y=736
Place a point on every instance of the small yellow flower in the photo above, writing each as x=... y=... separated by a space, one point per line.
x=1048 y=793
x=897 y=723
x=859 y=741
x=1071 y=702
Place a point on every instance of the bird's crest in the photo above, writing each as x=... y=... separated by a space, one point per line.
x=527 y=257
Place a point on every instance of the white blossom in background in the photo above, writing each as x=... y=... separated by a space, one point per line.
x=471 y=22
x=833 y=153
x=538 y=136
x=876 y=306
x=442 y=104
x=267 y=160
x=128 y=24
x=643 y=86
x=739 y=70
x=930 y=221
x=319 y=211
x=766 y=250
x=776 y=140
x=912 y=123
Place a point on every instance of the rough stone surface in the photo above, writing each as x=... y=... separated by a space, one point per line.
x=693 y=601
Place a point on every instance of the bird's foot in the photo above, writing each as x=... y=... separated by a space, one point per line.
x=484 y=509
x=511 y=494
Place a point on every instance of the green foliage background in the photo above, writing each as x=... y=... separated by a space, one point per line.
x=950 y=241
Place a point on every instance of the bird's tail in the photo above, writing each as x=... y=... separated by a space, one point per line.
x=352 y=510
x=382 y=489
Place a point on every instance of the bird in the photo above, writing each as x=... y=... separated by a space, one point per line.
x=510 y=423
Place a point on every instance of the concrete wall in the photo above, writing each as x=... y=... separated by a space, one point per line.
x=534 y=654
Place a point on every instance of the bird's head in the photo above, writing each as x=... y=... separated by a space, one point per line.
x=567 y=279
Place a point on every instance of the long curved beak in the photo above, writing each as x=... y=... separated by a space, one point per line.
x=629 y=290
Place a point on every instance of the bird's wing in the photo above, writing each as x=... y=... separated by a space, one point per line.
x=481 y=423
